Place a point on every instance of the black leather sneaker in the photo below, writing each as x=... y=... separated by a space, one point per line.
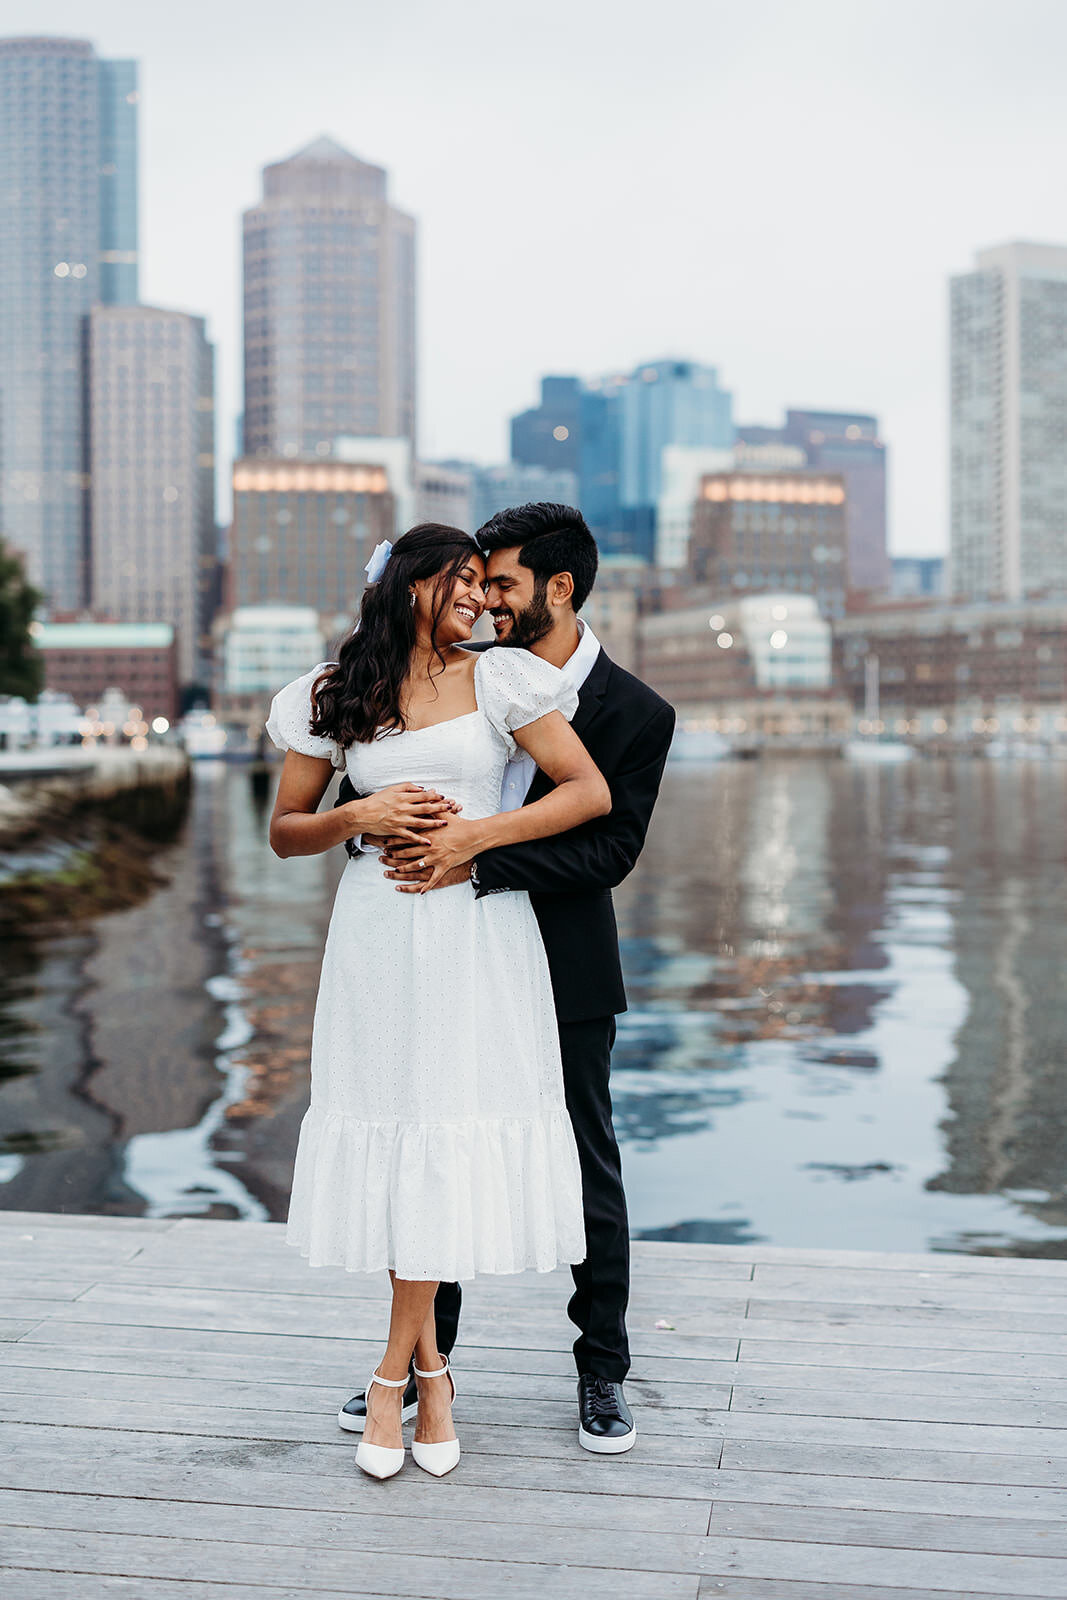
x=605 y=1423
x=353 y=1416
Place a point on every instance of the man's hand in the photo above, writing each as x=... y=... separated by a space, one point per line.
x=411 y=879
x=454 y=843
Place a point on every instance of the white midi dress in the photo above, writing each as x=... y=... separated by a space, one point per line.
x=437 y=1141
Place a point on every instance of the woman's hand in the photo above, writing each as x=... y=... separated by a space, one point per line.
x=402 y=811
x=455 y=842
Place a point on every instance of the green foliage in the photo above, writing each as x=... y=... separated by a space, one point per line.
x=21 y=666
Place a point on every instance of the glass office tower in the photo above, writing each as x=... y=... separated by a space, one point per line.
x=575 y=428
x=64 y=115
x=119 y=98
x=549 y=435
x=663 y=403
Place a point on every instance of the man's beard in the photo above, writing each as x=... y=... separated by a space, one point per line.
x=531 y=625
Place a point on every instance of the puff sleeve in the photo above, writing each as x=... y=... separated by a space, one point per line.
x=290 y=718
x=515 y=688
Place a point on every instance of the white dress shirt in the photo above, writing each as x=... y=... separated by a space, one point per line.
x=520 y=770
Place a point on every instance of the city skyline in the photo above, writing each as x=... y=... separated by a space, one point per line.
x=806 y=287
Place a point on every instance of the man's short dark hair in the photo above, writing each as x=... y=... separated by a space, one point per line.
x=551 y=538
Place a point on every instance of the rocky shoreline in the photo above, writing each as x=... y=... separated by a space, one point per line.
x=78 y=833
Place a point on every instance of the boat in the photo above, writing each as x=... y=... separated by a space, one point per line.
x=878 y=750
x=699 y=744
x=203 y=736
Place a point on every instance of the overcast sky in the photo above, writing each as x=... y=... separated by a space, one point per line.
x=780 y=189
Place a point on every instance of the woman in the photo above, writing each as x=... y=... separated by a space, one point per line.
x=437 y=1142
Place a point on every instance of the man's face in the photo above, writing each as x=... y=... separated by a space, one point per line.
x=521 y=616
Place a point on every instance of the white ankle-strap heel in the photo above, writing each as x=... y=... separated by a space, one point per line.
x=378 y=1460
x=436 y=1458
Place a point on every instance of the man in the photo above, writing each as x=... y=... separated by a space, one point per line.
x=541 y=562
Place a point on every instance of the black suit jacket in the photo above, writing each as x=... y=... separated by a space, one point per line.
x=627 y=729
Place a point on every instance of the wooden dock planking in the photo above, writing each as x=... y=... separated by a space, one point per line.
x=813 y=1426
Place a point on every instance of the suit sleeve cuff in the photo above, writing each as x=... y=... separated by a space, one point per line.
x=481 y=888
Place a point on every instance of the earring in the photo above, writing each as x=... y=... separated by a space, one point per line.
x=411 y=592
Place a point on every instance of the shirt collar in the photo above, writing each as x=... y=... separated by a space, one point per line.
x=578 y=666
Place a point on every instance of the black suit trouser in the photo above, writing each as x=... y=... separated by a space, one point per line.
x=602 y=1280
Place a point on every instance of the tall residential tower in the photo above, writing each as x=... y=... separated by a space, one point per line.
x=68 y=155
x=1009 y=424
x=329 y=307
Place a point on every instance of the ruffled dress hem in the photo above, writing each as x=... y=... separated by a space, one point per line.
x=472 y=1194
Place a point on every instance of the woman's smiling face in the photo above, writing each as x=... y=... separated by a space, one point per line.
x=462 y=609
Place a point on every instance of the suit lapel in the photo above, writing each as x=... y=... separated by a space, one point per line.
x=591 y=694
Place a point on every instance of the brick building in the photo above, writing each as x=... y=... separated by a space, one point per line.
x=302 y=533
x=758 y=532
x=83 y=659
x=960 y=670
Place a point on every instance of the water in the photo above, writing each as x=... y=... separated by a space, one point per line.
x=846 y=1027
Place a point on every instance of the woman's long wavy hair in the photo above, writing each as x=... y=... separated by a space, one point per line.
x=361 y=694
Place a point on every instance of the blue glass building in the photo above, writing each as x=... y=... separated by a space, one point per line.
x=599 y=462
x=549 y=435
x=68 y=240
x=576 y=429
x=663 y=403
x=119 y=98
x=612 y=434
x=916 y=577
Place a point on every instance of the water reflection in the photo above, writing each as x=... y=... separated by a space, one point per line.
x=845 y=1023
x=876 y=1009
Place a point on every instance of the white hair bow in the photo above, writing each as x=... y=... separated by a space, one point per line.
x=376 y=565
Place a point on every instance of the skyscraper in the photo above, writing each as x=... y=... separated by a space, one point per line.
x=1009 y=423
x=600 y=462
x=576 y=429
x=549 y=435
x=68 y=154
x=663 y=403
x=119 y=99
x=152 y=474
x=329 y=306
